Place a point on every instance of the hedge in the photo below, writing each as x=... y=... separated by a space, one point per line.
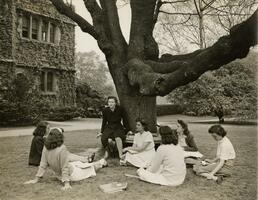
x=169 y=109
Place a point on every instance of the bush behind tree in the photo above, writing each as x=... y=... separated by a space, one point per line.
x=232 y=87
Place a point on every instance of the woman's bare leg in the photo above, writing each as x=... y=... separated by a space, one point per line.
x=119 y=145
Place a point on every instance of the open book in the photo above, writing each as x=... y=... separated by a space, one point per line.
x=113 y=187
x=195 y=154
x=81 y=165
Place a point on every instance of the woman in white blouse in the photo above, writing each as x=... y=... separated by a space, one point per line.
x=168 y=166
x=68 y=167
x=142 y=151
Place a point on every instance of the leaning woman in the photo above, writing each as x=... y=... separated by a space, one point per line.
x=168 y=166
x=56 y=156
x=187 y=142
x=142 y=151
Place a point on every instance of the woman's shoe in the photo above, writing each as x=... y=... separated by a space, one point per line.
x=122 y=162
x=91 y=158
x=103 y=162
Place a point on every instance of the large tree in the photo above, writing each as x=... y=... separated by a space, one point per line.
x=138 y=72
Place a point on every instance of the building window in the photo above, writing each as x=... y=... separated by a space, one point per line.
x=50 y=82
x=35 y=28
x=38 y=28
x=42 y=81
x=47 y=81
x=25 y=26
x=52 y=33
x=44 y=31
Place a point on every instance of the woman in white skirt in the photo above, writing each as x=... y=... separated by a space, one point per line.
x=168 y=166
x=142 y=151
x=68 y=167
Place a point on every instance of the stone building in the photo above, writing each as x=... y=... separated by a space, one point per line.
x=37 y=43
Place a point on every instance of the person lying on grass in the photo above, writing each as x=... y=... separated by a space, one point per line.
x=168 y=166
x=68 y=167
x=224 y=159
x=142 y=151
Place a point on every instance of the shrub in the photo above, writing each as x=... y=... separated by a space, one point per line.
x=61 y=113
x=169 y=110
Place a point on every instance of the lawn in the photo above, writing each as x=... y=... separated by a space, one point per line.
x=240 y=186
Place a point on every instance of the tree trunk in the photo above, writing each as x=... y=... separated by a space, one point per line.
x=142 y=107
x=134 y=104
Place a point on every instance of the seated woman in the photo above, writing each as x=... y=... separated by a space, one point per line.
x=168 y=166
x=56 y=156
x=186 y=141
x=37 y=143
x=142 y=151
x=113 y=133
x=223 y=162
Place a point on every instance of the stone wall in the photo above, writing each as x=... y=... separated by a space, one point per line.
x=31 y=57
x=6 y=29
x=6 y=71
x=44 y=54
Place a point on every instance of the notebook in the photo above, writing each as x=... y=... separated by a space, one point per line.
x=113 y=187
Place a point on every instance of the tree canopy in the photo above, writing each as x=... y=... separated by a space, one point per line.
x=139 y=72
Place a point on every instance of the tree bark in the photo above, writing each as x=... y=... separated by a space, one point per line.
x=142 y=107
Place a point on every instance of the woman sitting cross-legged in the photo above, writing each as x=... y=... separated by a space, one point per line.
x=168 y=166
x=68 y=167
x=142 y=151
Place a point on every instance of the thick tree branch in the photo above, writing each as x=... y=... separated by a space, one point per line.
x=99 y=22
x=82 y=23
x=112 y=20
x=227 y=49
x=193 y=65
x=164 y=68
x=141 y=75
x=142 y=44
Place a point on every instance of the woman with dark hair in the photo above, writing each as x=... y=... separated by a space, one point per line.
x=168 y=166
x=185 y=138
x=37 y=143
x=56 y=156
x=142 y=151
x=187 y=142
x=224 y=159
x=113 y=133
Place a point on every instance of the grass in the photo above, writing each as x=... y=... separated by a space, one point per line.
x=241 y=185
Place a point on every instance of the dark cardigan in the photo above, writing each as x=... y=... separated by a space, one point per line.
x=36 y=148
x=191 y=145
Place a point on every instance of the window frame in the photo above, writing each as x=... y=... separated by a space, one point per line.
x=44 y=82
x=45 y=31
